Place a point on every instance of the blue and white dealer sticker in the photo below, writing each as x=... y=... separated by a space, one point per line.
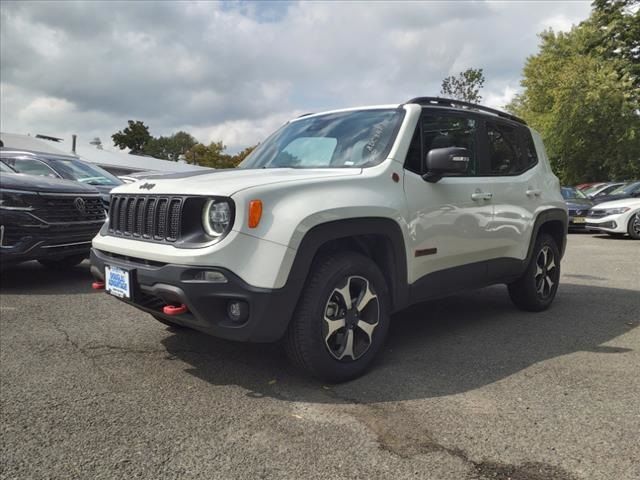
x=117 y=281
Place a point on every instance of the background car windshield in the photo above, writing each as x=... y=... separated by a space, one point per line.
x=359 y=138
x=626 y=189
x=85 y=173
x=570 y=193
x=6 y=168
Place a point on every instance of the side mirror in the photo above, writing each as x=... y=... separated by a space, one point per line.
x=441 y=161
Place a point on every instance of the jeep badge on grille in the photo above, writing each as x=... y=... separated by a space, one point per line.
x=147 y=186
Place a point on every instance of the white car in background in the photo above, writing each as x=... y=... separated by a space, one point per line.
x=616 y=218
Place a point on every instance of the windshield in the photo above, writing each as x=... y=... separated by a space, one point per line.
x=6 y=168
x=359 y=138
x=84 y=172
x=626 y=189
x=570 y=193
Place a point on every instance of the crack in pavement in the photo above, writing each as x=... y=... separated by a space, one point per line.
x=396 y=432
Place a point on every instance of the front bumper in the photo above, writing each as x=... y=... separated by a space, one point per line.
x=577 y=223
x=611 y=223
x=156 y=284
x=23 y=238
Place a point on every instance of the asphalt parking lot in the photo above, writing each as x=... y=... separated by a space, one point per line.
x=467 y=388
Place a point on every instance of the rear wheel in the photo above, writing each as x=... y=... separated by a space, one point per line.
x=535 y=290
x=634 y=226
x=62 y=263
x=342 y=318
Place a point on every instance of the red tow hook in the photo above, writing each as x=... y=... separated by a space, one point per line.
x=97 y=285
x=174 y=309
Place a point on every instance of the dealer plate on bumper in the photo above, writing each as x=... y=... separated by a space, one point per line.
x=117 y=281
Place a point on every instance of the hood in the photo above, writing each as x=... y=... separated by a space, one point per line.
x=625 y=202
x=34 y=183
x=578 y=203
x=227 y=182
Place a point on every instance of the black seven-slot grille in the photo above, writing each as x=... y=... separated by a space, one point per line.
x=145 y=217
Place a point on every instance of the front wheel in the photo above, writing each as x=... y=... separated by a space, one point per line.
x=342 y=318
x=634 y=226
x=62 y=263
x=535 y=290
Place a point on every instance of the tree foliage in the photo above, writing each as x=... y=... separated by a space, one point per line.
x=465 y=86
x=171 y=147
x=582 y=97
x=213 y=155
x=180 y=145
x=135 y=137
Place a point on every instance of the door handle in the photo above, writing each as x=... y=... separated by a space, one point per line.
x=533 y=192
x=481 y=196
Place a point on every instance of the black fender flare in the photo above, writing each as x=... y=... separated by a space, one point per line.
x=319 y=235
x=546 y=216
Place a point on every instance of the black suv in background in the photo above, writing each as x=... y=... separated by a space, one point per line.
x=61 y=166
x=46 y=219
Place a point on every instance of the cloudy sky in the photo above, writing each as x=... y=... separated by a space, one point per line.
x=235 y=71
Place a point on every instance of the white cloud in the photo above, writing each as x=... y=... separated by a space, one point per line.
x=235 y=71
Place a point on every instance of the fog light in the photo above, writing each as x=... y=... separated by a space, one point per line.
x=237 y=310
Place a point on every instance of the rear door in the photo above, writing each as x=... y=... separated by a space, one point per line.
x=512 y=173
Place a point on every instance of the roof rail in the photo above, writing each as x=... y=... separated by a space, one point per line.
x=449 y=102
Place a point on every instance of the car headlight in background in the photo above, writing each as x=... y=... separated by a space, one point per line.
x=217 y=216
x=616 y=211
x=16 y=200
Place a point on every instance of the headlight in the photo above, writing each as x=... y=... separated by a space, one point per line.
x=217 y=217
x=14 y=200
x=616 y=211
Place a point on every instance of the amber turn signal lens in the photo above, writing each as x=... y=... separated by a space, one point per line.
x=255 y=213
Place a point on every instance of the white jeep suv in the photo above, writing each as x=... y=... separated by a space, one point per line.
x=336 y=221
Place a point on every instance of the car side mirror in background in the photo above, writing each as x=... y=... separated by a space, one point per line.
x=442 y=161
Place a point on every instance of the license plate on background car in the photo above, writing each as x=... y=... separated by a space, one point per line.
x=579 y=220
x=117 y=281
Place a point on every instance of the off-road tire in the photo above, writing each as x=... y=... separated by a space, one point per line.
x=62 y=263
x=633 y=228
x=306 y=343
x=524 y=292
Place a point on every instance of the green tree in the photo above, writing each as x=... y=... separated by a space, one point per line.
x=581 y=101
x=171 y=147
x=134 y=137
x=241 y=155
x=465 y=86
x=617 y=37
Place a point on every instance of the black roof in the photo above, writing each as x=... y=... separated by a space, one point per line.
x=452 y=103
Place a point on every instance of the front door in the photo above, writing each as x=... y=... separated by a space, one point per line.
x=449 y=218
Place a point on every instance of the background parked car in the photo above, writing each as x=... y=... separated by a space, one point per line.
x=46 y=219
x=602 y=190
x=616 y=218
x=578 y=205
x=585 y=186
x=137 y=176
x=61 y=166
x=629 y=190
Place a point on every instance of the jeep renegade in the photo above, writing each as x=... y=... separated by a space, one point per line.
x=336 y=221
